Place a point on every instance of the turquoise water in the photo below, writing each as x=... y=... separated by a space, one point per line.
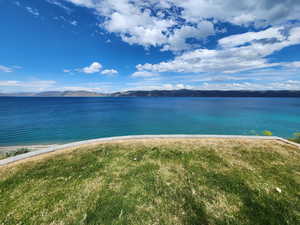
x=29 y=120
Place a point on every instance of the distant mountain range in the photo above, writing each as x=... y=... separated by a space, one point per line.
x=201 y=93
x=160 y=93
x=55 y=94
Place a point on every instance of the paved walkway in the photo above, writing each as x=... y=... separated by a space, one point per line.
x=99 y=140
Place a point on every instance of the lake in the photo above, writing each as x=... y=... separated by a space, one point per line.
x=47 y=120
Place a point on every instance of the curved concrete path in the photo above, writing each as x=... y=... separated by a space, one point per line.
x=99 y=140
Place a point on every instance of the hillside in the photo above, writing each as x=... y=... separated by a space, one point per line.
x=156 y=181
x=56 y=94
x=159 y=93
x=69 y=94
x=199 y=93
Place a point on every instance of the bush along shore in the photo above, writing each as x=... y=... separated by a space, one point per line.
x=296 y=138
x=6 y=154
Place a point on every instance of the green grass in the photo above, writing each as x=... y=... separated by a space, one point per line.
x=296 y=138
x=156 y=182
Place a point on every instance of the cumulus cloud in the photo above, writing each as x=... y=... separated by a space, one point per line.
x=109 y=72
x=169 y=23
x=6 y=69
x=242 y=12
x=236 y=53
x=177 y=41
x=93 y=68
x=148 y=23
x=136 y=27
x=144 y=74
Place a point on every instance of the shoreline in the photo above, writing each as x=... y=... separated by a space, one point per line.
x=73 y=145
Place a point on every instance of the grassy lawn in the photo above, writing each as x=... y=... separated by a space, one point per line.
x=204 y=181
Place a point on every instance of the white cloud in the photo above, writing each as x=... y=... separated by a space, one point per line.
x=137 y=24
x=93 y=68
x=144 y=74
x=6 y=69
x=86 y=3
x=181 y=86
x=242 y=12
x=80 y=88
x=9 y=86
x=149 y=87
x=273 y=33
x=109 y=72
x=66 y=20
x=90 y=86
x=36 y=85
x=33 y=11
x=9 y=83
x=284 y=85
x=177 y=41
x=136 y=27
x=74 y=23
x=170 y=23
x=221 y=78
x=59 y=4
x=230 y=57
x=295 y=64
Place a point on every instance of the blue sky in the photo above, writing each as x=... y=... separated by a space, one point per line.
x=118 y=45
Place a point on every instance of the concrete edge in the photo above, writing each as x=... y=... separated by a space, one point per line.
x=9 y=160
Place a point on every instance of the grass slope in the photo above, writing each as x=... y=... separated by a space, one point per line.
x=157 y=181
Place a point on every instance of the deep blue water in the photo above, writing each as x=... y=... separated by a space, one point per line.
x=29 y=120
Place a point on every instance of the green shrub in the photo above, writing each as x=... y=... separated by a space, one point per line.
x=14 y=153
x=21 y=151
x=267 y=133
x=296 y=137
